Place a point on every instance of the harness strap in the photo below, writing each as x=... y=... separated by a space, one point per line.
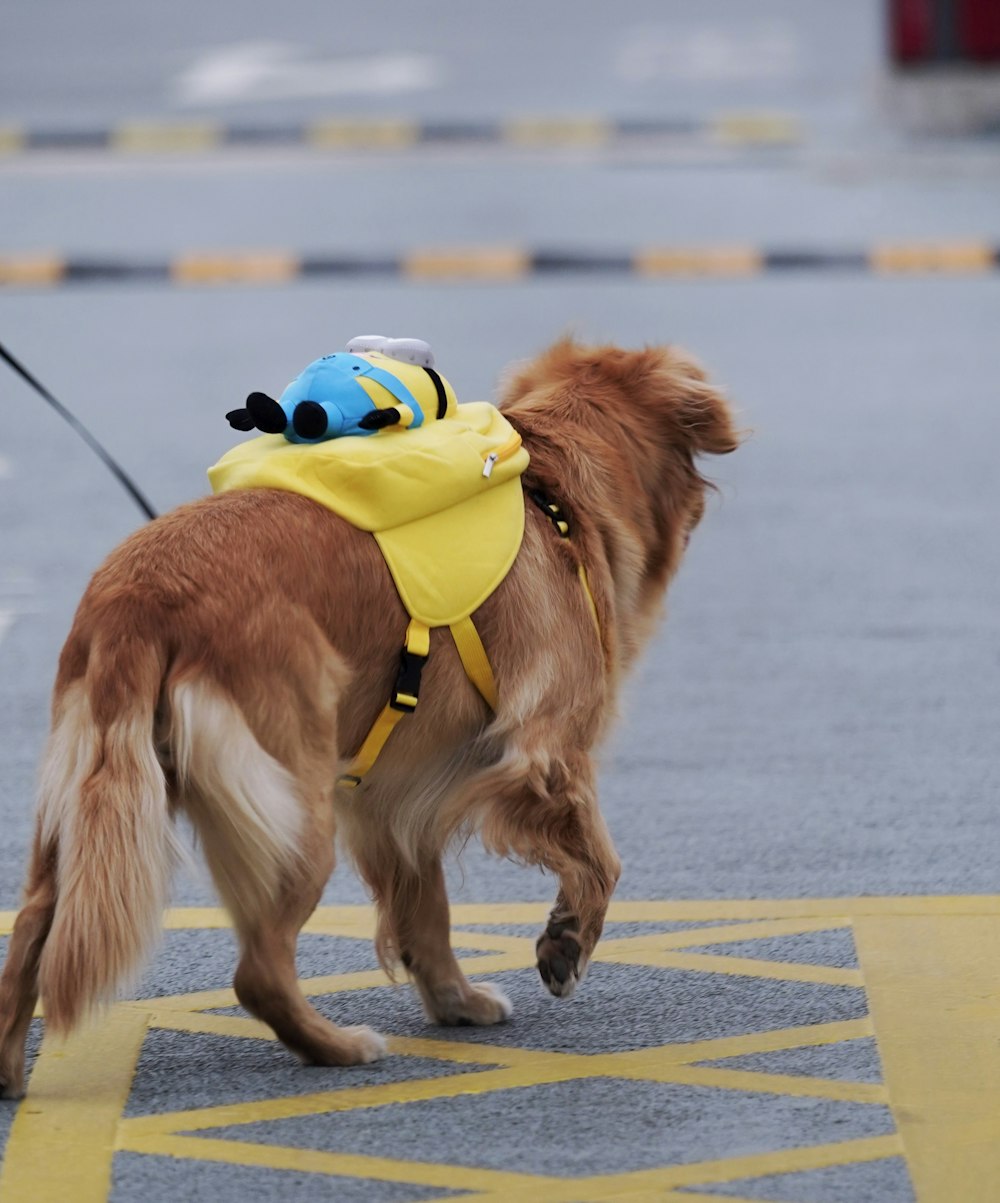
x=559 y=521
x=474 y=660
x=404 y=700
x=413 y=657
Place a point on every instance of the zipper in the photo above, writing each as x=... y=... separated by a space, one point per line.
x=492 y=458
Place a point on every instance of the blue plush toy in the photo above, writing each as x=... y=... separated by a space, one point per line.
x=375 y=383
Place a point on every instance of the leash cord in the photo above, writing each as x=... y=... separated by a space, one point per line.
x=123 y=477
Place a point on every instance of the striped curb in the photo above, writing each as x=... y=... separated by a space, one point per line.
x=391 y=134
x=496 y=264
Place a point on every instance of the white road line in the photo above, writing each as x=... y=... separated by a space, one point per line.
x=4 y=468
x=254 y=71
x=6 y=622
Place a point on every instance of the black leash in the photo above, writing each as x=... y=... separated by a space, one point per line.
x=83 y=432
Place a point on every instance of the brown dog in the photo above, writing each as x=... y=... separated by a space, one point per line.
x=228 y=659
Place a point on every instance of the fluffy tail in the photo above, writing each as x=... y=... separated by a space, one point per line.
x=104 y=809
x=103 y=806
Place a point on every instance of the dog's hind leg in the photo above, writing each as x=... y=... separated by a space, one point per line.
x=268 y=837
x=551 y=818
x=19 y=982
x=266 y=982
x=414 y=929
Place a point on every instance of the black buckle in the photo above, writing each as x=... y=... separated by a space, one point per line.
x=551 y=511
x=407 y=690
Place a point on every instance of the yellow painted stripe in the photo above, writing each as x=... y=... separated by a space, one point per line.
x=31 y=270
x=12 y=139
x=729 y=933
x=250 y=268
x=762 y=1082
x=934 y=989
x=939 y=257
x=749 y=127
x=152 y=137
x=781 y=971
x=543 y=131
x=474 y=263
x=348 y=1165
x=774 y=1040
x=698 y=261
x=63 y=1137
x=204 y=1023
x=346 y=134
x=545 y=1070
x=780 y=1161
x=359 y=920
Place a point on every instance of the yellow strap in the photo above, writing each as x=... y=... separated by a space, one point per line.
x=474 y=659
x=582 y=572
x=418 y=642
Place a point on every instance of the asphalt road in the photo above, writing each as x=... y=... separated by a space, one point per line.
x=815 y=719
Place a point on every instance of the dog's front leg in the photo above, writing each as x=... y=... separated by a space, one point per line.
x=588 y=869
x=552 y=819
x=414 y=929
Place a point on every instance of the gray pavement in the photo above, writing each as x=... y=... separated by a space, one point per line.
x=817 y=716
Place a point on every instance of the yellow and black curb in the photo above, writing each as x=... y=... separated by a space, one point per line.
x=496 y=264
x=546 y=132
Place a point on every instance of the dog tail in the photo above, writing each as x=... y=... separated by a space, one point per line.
x=103 y=808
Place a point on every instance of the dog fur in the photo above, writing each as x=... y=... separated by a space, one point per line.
x=228 y=659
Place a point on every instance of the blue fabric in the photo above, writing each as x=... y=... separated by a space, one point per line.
x=333 y=383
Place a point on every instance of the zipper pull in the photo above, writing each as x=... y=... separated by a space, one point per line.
x=491 y=459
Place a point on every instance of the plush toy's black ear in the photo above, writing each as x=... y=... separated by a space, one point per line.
x=266 y=413
x=240 y=419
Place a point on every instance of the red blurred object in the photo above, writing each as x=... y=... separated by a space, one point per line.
x=944 y=31
x=911 y=26
x=979 y=30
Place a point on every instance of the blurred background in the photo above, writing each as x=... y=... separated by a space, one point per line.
x=195 y=201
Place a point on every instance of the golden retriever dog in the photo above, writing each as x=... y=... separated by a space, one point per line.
x=228 y=659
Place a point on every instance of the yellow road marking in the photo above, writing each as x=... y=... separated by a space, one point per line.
x=12 y=139
x=236 y=268
x=786 y=971
x=793 y=1085
x=749 y=127
x=523 y=1187
x=558 y=131
x=338 y=134
x=63 y=1136
x=930 y=990
x=776 y=1040
x=351 y=920
x=695 y=261
x=153 y=137
x=934 y=988
x=347 y=1165
x=31 y=271
x=930 y=257
x=730 y=933
x=475 y=263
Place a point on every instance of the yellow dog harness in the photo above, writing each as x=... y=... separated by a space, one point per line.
x=445 y=504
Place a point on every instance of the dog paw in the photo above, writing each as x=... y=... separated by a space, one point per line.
x=344 y=1046
x=366 y=1045
x=561 y=963
x=473 y=1006
x=12 y=1078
